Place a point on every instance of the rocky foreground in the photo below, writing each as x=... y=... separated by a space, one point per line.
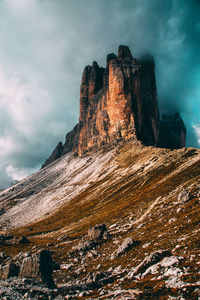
x=125 y=229
x=167 y=270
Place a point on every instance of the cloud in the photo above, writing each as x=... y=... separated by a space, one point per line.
x=44 y=46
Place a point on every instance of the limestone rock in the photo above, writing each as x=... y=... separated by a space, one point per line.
x=92 y=82
x=84 y=245
x=3 y=257
x=96 y=235
x=127 y=245
x=96 y=276
x=23 y=240
x=98 y=232
x=150 y=260
x=8 y=270
x=126 y=107
x=55 y=154
x=38 y=266
x=124 y=52
x=172 y=132
x=119 y=103
x=183 y=196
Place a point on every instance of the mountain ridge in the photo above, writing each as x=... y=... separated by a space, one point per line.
x=107 y=219
x=144 y=194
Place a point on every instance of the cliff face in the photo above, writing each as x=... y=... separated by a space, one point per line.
x=117 y=103
x=172 y=132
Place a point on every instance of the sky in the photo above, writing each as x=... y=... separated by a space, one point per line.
x=44 y=46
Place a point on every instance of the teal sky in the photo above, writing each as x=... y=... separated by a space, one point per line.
x=44 y=46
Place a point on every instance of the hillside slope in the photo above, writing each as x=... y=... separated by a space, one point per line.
x=145 y=194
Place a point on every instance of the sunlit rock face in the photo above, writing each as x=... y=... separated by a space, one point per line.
x=117 y=103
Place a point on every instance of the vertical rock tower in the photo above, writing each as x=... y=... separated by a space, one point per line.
x=117 y=103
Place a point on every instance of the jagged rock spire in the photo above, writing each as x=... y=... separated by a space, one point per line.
x=117 y=103
x=124 y=52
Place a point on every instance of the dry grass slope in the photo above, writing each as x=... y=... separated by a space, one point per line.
x=138 y=198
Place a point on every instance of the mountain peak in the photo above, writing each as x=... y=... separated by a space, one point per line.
x=118 y=103
x=124 y=52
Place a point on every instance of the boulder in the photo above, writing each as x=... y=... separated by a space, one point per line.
x=96 y=235
x=151 y=260
x=96 y=276
x=183 y=196
x=98 y=232
x=127 y=245
x=84 y=245
x=9 y=270
x=38 y=266
x=3 y=257
x=23 y=240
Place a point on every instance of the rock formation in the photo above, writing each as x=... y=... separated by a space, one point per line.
x=96 y=236
x=9 y=270
x=38 y=266
x=172 y=132
x=117 y=103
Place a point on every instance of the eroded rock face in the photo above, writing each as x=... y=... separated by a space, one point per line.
x=9 y=270
x=172 y=132
x=38 y=266
x=124 y=108
x=55 y=154
x=117 y=103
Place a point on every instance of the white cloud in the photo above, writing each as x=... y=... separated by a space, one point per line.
x=17 y=173
x=197 y=131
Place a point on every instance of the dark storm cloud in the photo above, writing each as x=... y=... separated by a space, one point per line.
x=44 y=46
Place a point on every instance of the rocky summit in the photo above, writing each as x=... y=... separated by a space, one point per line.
x=114 y=213
x=119 y=103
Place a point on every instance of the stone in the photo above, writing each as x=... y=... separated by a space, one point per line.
x=98 y=232
x=119 y=103
x=3 y=256
x=183 y=196
x=151 y=260
x=172 y=132
x=84 y=245
x=38 y=266
x=96 y=276
x=23 y=240
x=55 y=154
x=127 y=245
x=9 y=270
x=124 y=52
x=96 y=235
